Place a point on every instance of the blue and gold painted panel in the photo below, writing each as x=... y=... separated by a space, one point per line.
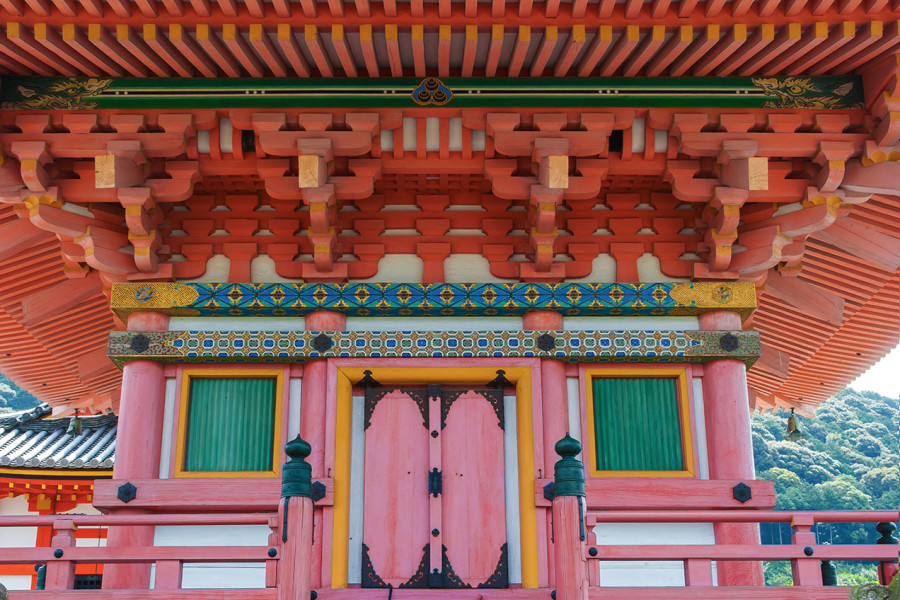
x=438 y=299
x=299 y=346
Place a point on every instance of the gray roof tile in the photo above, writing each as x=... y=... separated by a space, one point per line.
x=29 y=440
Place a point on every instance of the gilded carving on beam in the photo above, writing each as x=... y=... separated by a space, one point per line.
x=811 y=92
x=39 y=93
x=172 y=298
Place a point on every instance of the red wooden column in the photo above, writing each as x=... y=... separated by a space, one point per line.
x=727 y=412
x=313 y=393
x=568 y=523
x=554 y=401
x=137 y=453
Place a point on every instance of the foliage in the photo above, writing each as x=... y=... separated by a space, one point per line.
x=13 y=398
x=849 y=460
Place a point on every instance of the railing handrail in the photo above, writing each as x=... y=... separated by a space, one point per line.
x=741 y=516
x=142 y=519
x=727 y=552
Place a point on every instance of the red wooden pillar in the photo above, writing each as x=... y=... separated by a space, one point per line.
x=727 y=412
x=554 y=401
x=313 y=394
x=137 y=454
x=568 y=525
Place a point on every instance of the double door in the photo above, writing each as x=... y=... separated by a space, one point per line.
x=434 y=508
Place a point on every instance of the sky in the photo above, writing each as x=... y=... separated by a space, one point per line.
x=883 y=378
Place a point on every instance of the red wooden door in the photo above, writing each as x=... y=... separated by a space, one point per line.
x=446 y=526
x=395 y=517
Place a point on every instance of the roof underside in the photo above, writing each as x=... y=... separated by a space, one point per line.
x=445 y=39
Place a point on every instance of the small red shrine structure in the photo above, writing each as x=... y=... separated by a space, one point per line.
x=500 y=281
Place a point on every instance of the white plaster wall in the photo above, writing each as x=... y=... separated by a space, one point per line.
x=603 y=270
x=165 y=455
x=636 y=323
x=262 y=270
x=216 y=575
x=16 y=582
x=16 y=537
x=468 y=268
x=649 y=270
x=700 y=428
x=293 y=426
x=216 y=270
x=398 y=268
x=648 y=573
x=236 y=324
x=434 y=324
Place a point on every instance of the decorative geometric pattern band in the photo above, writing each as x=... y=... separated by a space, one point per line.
x=299 y=346
x=431 y=299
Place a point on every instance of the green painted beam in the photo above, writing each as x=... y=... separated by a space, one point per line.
x=81 y=93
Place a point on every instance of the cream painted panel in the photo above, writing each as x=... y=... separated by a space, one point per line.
x=216 y=270
x=632 y=323
x=648 y=573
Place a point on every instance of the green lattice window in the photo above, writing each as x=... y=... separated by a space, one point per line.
x=230 y=425
x=638 y=426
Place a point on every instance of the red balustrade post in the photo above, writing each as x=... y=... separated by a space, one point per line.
x=61 y=570
x=295 y=513
x=140 y=425
x=807 y=571
x=568 y=523
x=887 y=571
x=727 y=416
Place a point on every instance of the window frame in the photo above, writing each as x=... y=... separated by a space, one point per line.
x=686 y=421
x=186 y=375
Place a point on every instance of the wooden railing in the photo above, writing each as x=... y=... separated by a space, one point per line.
x=63 y=555
x=804 y=554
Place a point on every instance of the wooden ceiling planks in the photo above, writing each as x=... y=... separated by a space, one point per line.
x=336 y=47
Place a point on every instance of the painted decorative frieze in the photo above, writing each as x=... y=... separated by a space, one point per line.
x=443 y=299
x=77 y=93
x=299 y=346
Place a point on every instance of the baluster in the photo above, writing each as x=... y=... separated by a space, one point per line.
x=168 y=574
x=61 y=569
x=807 y=571
x=697 y=572
x=272 y=564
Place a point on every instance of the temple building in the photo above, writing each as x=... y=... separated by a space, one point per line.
x=462 y=299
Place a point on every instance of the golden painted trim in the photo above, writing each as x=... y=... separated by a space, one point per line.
x=687 y=442
x=230 y=373
x=520 y=376
x=62 y=474
x=340 y=523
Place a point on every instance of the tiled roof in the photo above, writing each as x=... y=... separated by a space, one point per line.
x=29 y=440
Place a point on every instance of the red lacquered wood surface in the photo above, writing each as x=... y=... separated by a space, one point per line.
x=395 y=518
x=474 y=506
